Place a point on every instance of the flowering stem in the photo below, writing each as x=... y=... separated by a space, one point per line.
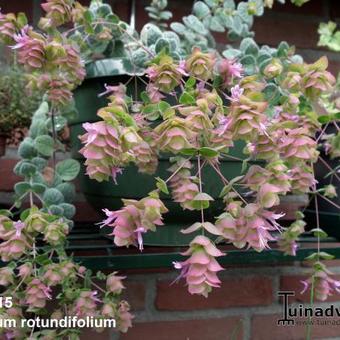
x=226 y=182
x=92 y=283
x=322 y=132
x=329 y=168
x=177 y=170
x=329 y=201
x=200 y=185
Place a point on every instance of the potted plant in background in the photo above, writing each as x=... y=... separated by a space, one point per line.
x=16 y=104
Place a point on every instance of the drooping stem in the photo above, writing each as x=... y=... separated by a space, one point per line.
x=329 y=201
x=92 y=283
x=200 y=184
x=329 y=168
x=226 y=182
x=54 y=135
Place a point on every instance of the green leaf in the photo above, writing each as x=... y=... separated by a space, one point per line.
x=53 y=196
x=193 y=23
x=5 y=212
x=190 y=83
x=187 y=99
x=200 y=9
x=68 y=210
x=43 y=259
x=324 y=119
x=68 y=190
x=163 y=106
x=319 y=233
x=326 y=256
x=208 y=152
x=178 y=27
x=26 y=149
x=22 y=19
x=68 y=169
x=161 y=185
x=38 y=188
x=56 y=210
x=21 y=188
x=189 y=151
x=44 y=145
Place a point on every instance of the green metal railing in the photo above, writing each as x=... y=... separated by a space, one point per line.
x=97 y=251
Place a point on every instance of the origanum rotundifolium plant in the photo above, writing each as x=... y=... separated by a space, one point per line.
x=196 y=105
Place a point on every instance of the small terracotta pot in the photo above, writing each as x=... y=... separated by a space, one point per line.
x=2 y=144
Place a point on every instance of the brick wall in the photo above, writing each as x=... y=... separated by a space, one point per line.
x=246 y=306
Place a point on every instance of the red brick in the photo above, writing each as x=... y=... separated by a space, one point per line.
x=86 y=213
x=7 y=177
x=265 y=327
x=293 y=283
x=205 y=329
x=313 y=7
x=273 y=30
x=135 y=294
x=18 y=6
x=234 y=292
x=89 y=334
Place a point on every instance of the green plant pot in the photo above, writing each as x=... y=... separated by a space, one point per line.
x=132 y=184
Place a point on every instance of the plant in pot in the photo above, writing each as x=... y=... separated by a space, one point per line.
x=16 y=104
x=178 y=39
x=194 y=111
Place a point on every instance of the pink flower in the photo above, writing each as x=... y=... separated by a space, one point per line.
x=200 y=269
x=36 y=293
x=134 y=219
x=183 y=187
x=324 y=284
x=248 y=225
x=229 y=69
x=114 y=283
x=124 y=317
x=86 y=304
x=31 y=50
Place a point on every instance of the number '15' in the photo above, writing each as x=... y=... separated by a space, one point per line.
x=6 y=301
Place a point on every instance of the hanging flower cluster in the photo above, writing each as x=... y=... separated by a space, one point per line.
x=212 y=108
x=134 y=219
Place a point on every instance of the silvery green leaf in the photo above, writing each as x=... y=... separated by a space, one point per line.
x=283 y=49
x=150 y=33
x=215 y=25
x=68 y=169
x=68 y=210
x=165 y=15
x=27 y=149
x=21 y=188
x=231 y=53
x=53 y=196
x=68 y=191
x=248 y=63
x=44 y=145
x=237 y=25
x=195 y=24
x=162 y=44
x=263 y=55
x=200 y=9
x=103 y=10
x=297 y=59
x=172 y=36
x=242 y=10
x=272 y=93
x=249 y=46
x=230 y=4
x=210 y=3
x=178 y=27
